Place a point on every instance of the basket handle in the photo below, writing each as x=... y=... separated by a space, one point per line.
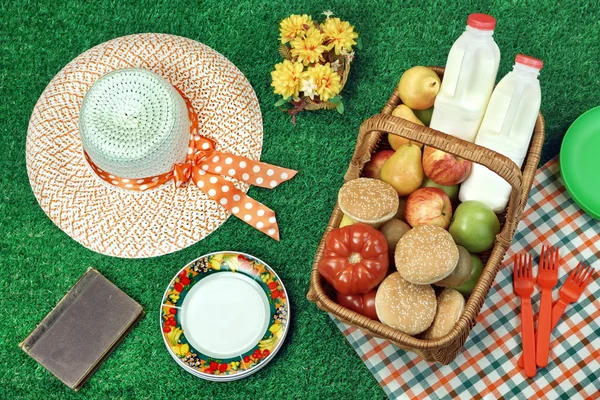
x=496 y=162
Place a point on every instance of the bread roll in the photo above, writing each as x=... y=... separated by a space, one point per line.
x=426 y=254
x=450 y=306
x=369 y=201
x=405 y=306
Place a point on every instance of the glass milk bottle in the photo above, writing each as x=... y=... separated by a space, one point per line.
x=507 y=129
x=468 y=80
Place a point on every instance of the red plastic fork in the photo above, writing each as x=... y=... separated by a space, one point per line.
x=547 y=279
x=570 y=292
x=523 y=285
x=572 y=289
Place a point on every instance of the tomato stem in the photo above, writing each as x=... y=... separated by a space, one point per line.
x=354 y=258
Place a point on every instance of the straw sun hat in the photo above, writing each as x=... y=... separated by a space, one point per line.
x=146 y=144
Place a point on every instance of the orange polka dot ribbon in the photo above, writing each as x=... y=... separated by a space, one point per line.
x=206 y=166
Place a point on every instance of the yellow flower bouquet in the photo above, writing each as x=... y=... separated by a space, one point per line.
x=316 y=63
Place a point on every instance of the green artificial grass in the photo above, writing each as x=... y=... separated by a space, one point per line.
x=39 y=263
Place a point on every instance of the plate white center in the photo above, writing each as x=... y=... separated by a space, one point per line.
x=225 y=314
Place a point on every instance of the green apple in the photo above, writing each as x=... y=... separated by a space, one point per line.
x=451 y=191
x=474 y=226
x=424 y=115
x=467 y=287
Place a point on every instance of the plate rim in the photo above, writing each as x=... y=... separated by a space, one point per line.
x=592 y=213
x=253 y=369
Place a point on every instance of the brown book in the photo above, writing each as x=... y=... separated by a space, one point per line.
x=83 y=329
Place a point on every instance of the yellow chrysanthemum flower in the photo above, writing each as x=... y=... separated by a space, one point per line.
x=287 y=78
x=326 y=79
x=310 y=47
x=292 y=26
x=338 y=34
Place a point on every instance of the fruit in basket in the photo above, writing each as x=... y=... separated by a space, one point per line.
x=401 y=209
x=451 y=191
x=373 y=168
x=403 y=170
x=450 y=306
x=445 y=168
x=393 y=230
x=418 y=87
x=424 y=115
x=355 y=259
x=461 y=273
x=476 y=269
x=361 y=303
x=474 y=226
x=405 y=306
x=404 y=112
x=428 y=206
x=346 y=220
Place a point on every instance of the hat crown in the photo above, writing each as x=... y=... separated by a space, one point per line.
x=134 y=124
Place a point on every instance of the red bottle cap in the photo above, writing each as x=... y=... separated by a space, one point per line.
x=483 y=22
x=529 y=61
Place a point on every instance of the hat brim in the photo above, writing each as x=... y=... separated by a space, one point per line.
x=133 y=224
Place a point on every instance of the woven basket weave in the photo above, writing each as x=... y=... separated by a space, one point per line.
x=373 y=137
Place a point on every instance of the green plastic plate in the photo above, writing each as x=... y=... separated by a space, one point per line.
x=580 y=161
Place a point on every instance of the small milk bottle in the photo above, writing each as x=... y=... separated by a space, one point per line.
x=468 y=80
x=507 y=129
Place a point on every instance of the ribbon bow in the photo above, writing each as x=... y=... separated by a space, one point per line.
x=206 y=166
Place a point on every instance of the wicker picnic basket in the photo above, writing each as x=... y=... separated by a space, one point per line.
x=372 y=137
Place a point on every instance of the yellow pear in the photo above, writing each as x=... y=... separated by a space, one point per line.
x=346 y=220
x=418 y=87
x=403 y=170
x=402 y=111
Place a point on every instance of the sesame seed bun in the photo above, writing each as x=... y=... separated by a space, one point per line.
x=404 y=306
x=426 y=254
x=369 y=201
x=450 y=306
x=461 y=273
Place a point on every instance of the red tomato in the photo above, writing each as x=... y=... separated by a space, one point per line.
x=213 y=365
x=273 y=285
x=166 y=329
x=185 y=280
x=173 y=311
x=361 y=303
x=355 y=258
x=247 y=359
x=178 y=287
x=222 y=367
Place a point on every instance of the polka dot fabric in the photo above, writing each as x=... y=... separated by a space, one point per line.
x=204 y=165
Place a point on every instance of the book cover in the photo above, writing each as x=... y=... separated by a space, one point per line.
x=83 y=329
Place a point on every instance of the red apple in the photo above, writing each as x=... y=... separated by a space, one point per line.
x=373 y=168
x=428 y=206
x=444 y=168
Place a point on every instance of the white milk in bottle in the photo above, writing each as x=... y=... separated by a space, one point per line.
x=507 y=129
x=468 y=80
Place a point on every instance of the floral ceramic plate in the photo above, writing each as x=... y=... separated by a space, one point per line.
x=224 y=316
